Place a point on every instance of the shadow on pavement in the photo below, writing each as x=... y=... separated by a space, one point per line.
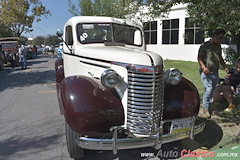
x=21 y=78
x=32 y=138
x=210 y=137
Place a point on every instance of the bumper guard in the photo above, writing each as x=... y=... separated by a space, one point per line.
x=140 y=142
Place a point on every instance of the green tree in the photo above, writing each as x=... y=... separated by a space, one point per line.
x=52 y=40
x=23 y=40
x=39 y=40
x=111 y=8
x=49 y=40
x=208 y=14
x=19 y=15
x=5 y=31
x=84 y=7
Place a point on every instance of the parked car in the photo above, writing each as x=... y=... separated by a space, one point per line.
x=1 y=59
x=116 y=95
x=40 y=50
x=8 y=47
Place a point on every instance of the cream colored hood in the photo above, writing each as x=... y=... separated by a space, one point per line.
x=121 y=54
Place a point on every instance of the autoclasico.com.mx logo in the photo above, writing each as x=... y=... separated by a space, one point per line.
x=175 y=154
x=170 y=154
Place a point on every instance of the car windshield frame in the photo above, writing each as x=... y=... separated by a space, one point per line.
x=107 y=33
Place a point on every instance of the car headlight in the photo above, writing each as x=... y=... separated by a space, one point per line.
x=173 y=76
x=110 y=78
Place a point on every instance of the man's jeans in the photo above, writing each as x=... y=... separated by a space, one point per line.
x=209 y=83
x=23 y=62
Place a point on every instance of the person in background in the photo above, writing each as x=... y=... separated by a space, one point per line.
x=13 y=56
x=23 y=56
x=20 y=56
x=35 y=49
x=226 y=89
x=209 y=58
x=52 y=49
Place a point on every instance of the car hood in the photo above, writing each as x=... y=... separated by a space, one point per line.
x=121 y=54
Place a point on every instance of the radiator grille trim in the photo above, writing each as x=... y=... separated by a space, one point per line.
x=145 y=100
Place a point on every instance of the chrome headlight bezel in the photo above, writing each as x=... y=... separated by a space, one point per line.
x=173 y=76
x=109 y=78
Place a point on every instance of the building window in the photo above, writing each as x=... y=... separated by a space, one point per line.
x=193 y=33
x=150 y=32
x=170 y=29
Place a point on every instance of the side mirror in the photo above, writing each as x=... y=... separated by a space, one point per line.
x=59 y=33
x=137 y=37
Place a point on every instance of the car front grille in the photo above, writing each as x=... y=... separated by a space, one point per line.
x=145 y=99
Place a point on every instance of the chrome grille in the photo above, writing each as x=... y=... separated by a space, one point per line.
x=145 y=101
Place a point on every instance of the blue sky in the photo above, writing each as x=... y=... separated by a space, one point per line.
x=60 y=15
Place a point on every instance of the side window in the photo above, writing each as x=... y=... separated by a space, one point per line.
x=69 y=35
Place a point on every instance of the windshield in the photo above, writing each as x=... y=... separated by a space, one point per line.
x=108 y=32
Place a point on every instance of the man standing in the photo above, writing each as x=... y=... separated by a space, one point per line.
x=23 y=56
x=209 y=57
x=13 y=58
x=52 y=49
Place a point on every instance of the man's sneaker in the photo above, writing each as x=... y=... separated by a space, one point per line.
x=230 y=107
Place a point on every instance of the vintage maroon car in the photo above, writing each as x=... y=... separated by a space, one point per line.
x=116 y=95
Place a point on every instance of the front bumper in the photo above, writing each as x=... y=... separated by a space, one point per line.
x=140 y=142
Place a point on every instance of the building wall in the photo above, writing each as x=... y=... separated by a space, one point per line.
x=180 y=51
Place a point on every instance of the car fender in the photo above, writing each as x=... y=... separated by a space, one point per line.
x=59 y=77
x=181 y=100
x=59 y=70
x=89 y=107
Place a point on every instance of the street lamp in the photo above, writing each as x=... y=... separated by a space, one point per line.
x=43 y=36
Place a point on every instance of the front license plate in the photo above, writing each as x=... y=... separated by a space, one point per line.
x=178 y=126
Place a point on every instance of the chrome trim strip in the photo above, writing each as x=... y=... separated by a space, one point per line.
x=140 y=80
x=93 y=64
x=137 y=110
x=141 y=92
x=141 y=84
x=140 y=95
x=139 y=107
x=139 y=87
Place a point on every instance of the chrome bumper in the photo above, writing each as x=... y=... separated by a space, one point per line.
x=131 y=143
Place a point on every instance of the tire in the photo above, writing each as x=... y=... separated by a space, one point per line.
x=17 y=61
x=74 y=150
x=1 y=65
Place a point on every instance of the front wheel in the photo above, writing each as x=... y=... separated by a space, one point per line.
x=1 y=65
x=74 y=150
x=17 y=62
